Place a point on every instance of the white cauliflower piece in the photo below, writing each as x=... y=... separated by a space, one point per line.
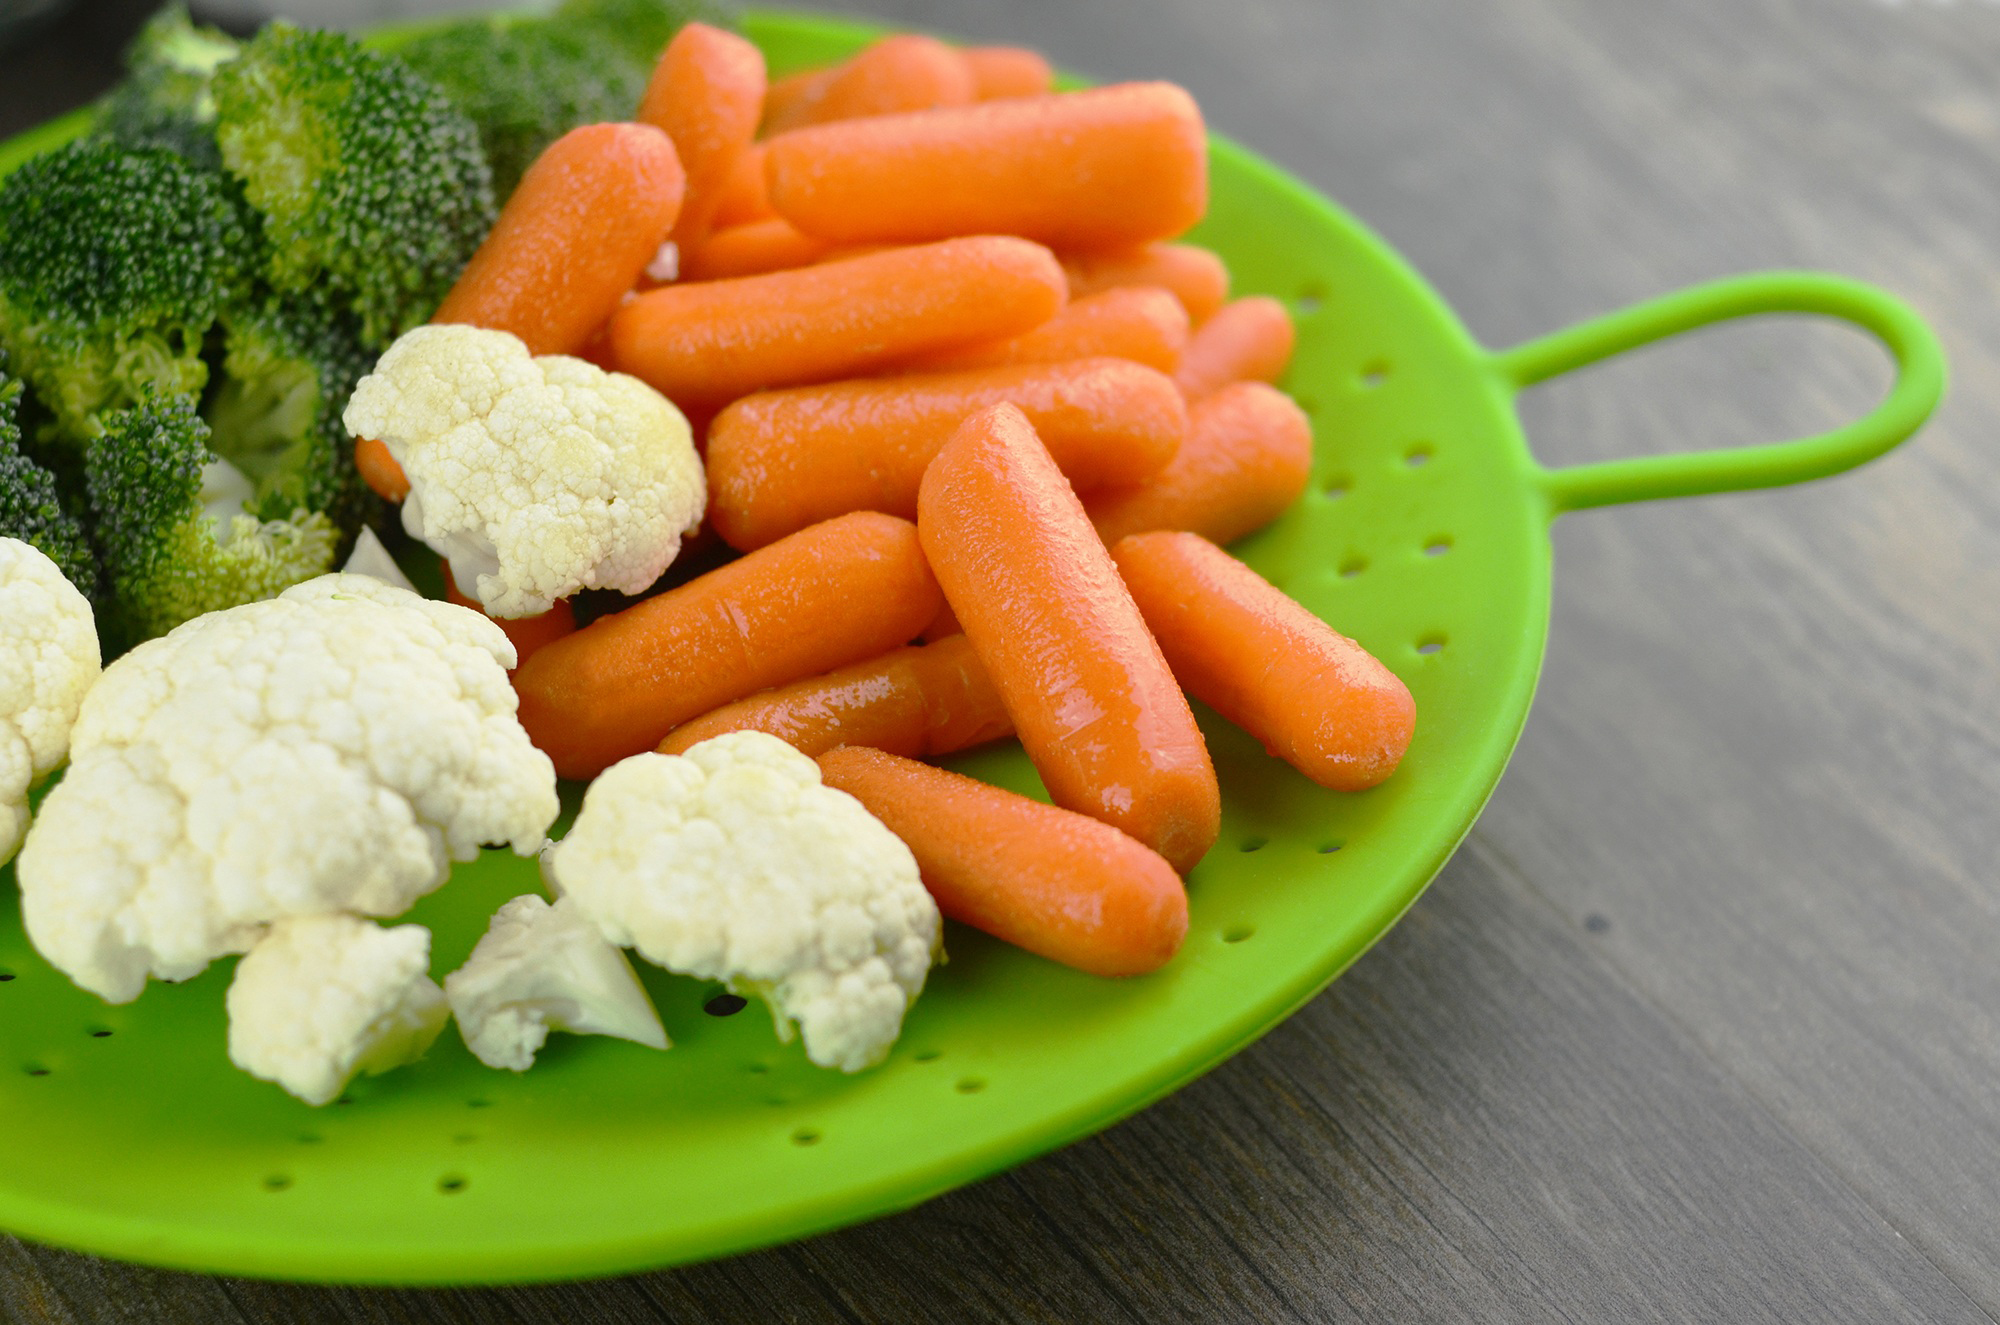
x=535 y=477
x=48 y=660
x=733 y=863
x=331 y=749
x=370 y=558
x=541 y=968
x=321 y=998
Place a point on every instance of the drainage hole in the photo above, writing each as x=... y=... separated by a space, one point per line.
x=805 y=1136
x=725 y=1005
x=1438 y=546
x=1430 y=644
x=1375 y=372
x=1311 y=296
x=1328 y=848
x=35 y=1070
x=1419 y=455
x=101 y=1033
x=451 y=1184
x=1352 y=567
x=277 y=1182
x=474 y=1104
x=1255 y=843
x=757 y=1068
x=310 y=1138
x=5 y=976
x=928 y=1055
x=970 y=1085
x=464 y=1138
x=1338 y=486
x=1238 y=933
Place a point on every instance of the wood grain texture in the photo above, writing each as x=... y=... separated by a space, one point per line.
x=1704 y=1022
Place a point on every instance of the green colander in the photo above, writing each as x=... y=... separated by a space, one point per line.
x=1424 y=535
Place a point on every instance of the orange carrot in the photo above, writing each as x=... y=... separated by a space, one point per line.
x=528 y=634
x=1247 y=457
x=380 y=470
x=744 y=198
x=788 y=100
x=923 y=700
x=1195 y=275
x=713 y=341
x=831 y=595
x=1007 y=71
x=781 y=460
x=1315 y=698
x=1249 y=340
x=1142 y=323
x=707 y=92
x=904 y=72
x=585 y=220
x=1097 y=709
x=1054 y=882
x=943 y=626
x=1101 y=168
x=752 y=250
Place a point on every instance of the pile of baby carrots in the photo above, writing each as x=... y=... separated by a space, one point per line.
x=957 y=384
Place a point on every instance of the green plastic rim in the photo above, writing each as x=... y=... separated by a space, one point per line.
x=1424 y=535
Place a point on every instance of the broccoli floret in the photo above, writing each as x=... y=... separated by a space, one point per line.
x=371 y=184
x=165 y=100
x=171 y=527
x=642 y=28
x=32 y=508
x=114 y=264
x=527 y=82
x=289 y=364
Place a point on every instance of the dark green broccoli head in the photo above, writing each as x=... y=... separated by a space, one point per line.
x=289 y=364
x=166 y=99
x=527 y=82
x=642 y=28
x=32 y=507
x=171 y=528
x=114 y=264
x=371 y=184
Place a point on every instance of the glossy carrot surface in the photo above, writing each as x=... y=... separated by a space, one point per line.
x=1247 y=457
x=1315 y=698
x=584 y=222
x=752 y=250
x=923 y=700
x=528 y=634
x=1057 y=883
x=1093 y=701
x=1195 y=275
x=706 y=93
x=1008 y=71
x=1102 y=168
x=781 y=460
x=710 y=342
x=743 y=196
x=835 y=594
x=1145 y=324
x=1249 y=340
x=898 y=73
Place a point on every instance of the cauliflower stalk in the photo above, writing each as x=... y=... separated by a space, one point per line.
x=733 y=863
x=48 y=661
x=332 y=749
x=535 y=477
x=541 y=968
x=323 y=997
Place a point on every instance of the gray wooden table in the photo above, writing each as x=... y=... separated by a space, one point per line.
x=1703 y=1023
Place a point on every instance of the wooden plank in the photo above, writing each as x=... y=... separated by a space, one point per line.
x=40 y=1284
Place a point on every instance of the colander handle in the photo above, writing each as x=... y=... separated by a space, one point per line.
x=1920 y=374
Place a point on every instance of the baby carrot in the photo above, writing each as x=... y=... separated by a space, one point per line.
x=1247 y=457
x=899 y=73
x=1059 y=884
x=528 y=634
x=943 y=626
x=1101 y=168
x=713 y=341
x=1315 y=698
x=929 y=699
x=583 y=223
x=743 y=196
x=380 y=470
x=1249 y=340
x=834 y=594
x=1007 y=71
x=752 y=250
x=788 y=100
x=706 y=92
x=781 y=460
x=1096 y=708
x=1195 y=275
x=1142 y=323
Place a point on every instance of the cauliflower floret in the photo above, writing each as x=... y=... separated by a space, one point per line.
x=48 y=660
x=733 y=863
x=331 y=749
x=535 y=477
x=321 y=998
x=541 y=968
x=370 y=558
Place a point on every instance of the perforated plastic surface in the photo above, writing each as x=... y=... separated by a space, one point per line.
x=1424 y=535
